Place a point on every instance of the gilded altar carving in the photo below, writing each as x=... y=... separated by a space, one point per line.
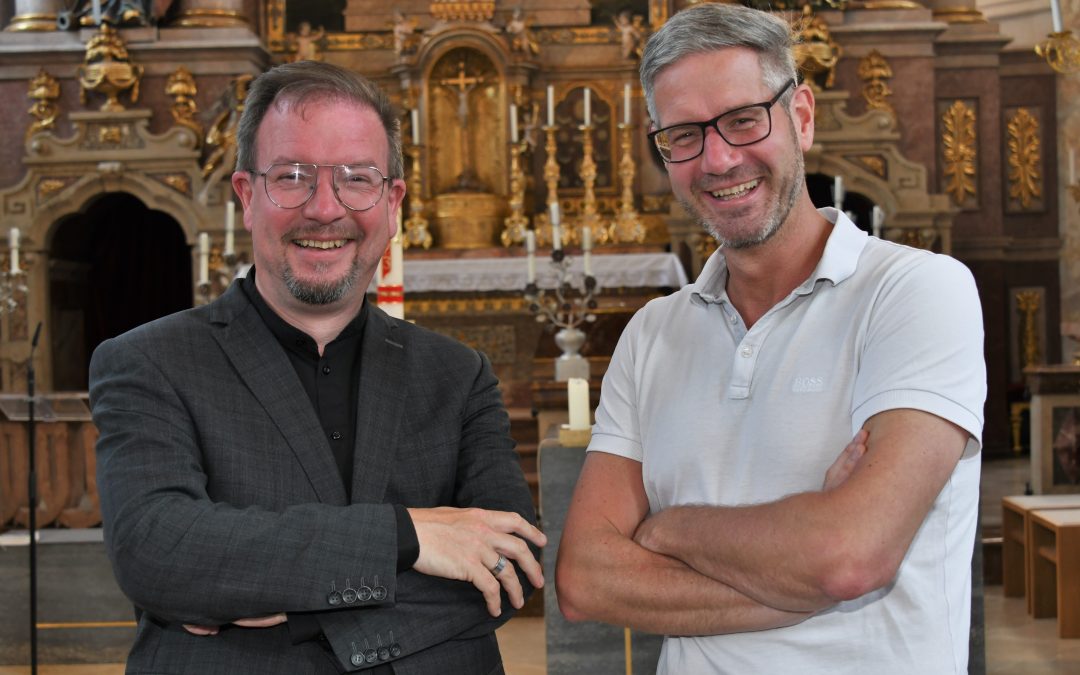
x=1027 y=303
x=475 y=10
x=467 y=117
x=816 y=52
x=220 y=155
x=47 y=187
x=177 y=181
x=875 y=72
x=874 y=163
x=44 y=92
x=181 y=88
x=1024 y=158
x=107 y=69
x=520 y=33
x=958 y=139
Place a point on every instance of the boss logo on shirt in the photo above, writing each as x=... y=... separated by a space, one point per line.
x=808 y=384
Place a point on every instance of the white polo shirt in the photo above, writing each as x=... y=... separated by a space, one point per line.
x=721 y=415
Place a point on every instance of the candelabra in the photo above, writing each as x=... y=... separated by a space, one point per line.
x=216 y=270
x=1061 y=50
x=627 y=226
x=589 y=219
x=416 y=227
x=551 y=179
x=516 y=222
x=564 y=310
x=12 y=287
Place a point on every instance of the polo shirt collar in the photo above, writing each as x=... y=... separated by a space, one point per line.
x=838 y=262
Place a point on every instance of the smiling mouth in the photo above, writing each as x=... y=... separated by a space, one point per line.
x=324 y=245
x=735 y=191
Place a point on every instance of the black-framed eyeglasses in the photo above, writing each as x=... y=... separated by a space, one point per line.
x=290 y=185
x=746 y=125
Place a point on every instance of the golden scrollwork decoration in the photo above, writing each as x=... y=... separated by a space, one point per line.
x=49 y=186
x=450 y=10
x=816 y=52
x=44 y=92
x=181 y=87
x=958 y=140
x=1025 y=179
x=107 y=69
x=875 y=72
x=221 y=136
x=1027 y=302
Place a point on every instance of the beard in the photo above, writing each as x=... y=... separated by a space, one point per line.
x=323 y=292
x=788 y=190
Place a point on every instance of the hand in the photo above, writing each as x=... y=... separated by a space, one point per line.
x=257 y=622
x=845 y=464
x=465 y=544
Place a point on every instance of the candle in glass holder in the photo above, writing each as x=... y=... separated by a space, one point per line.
x=577 y=392
x=230 y=227
x=586 y=250
x=13 y=244
x=556 y=235
x=530 y=259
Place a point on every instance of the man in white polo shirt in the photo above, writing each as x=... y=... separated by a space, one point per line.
x=707 y=509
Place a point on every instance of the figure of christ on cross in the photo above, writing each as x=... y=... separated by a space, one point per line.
x=464 y=84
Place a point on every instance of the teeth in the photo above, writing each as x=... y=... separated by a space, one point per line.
x=738 y=190
x=325 y=245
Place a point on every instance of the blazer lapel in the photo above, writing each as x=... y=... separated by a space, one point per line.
x=268 y=374
x=381 y=401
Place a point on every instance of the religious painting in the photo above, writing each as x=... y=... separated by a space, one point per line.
x=1065 y=451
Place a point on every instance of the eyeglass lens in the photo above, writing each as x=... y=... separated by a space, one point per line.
x=738 y=127
x=291 y=185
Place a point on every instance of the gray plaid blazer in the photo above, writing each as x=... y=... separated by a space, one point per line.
x=221 y=499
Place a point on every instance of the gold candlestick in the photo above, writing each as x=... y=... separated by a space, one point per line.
x=627 y=226
x=590 y=219
x=416 y=227
x=551 y=178
x=516 y=222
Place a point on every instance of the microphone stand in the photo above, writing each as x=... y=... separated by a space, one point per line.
x=32 y=492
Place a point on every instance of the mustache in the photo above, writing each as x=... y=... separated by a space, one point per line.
x=322 y=231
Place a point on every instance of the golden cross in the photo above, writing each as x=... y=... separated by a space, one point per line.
x=462 y=82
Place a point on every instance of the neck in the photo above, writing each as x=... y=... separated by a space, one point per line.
x=322 y=323
x=761 y=276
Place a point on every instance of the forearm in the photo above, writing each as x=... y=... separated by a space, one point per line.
x=604 y=576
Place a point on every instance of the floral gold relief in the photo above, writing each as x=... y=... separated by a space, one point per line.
x=958 y=139
x=1024 y=157
x=875 y=72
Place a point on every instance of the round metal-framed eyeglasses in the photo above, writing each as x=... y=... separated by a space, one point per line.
x=290 y=185
x=745 y=125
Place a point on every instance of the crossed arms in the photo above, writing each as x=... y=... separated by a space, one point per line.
x=762 y=566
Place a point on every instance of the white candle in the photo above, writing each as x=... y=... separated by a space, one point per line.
x=1072 y=167
x=551 y=104
x=513 y=123
x=588 y=106
x=230 y=227
x=13 y=243
x=204 y=258
x=1055 y=15
x=877 y=219
x=577 y=392
x=414 y=117
x=390 y=287
x=96 y=12
x=586 y=250
x=838 y=193
x=556 y=235
x=626 y=104
x=530 y=249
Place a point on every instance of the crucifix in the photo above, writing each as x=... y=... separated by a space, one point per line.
x=464 y=84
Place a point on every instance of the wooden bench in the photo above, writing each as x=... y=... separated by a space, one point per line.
x=1015 y=530
x=1054 y=560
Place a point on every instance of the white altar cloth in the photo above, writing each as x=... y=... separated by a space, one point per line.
x=463 y=275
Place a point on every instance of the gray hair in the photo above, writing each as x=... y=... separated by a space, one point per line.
x=714 y=26
x=305 y=81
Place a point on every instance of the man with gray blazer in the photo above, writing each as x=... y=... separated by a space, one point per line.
x=292 y=481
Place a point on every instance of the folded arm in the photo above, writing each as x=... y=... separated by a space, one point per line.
x=603 y=575
x=814 y=549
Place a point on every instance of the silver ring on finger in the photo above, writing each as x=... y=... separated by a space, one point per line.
x=499 y=566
